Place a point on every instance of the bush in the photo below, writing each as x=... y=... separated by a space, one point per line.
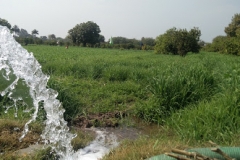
x=232 y=46
x=178 y=42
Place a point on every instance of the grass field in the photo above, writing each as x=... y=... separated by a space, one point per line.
x=181 y=102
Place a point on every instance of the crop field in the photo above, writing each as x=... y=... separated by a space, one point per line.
x=184 y=100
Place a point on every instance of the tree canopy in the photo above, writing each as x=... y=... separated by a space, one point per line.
x=15 y=29
x=233 y=29
x=85 y=33
x=4 y=22
x=178 y=41
x=51 y=36
x=34 y=32
x=230 y=43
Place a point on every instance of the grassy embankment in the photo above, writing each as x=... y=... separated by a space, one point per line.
x=195 y=98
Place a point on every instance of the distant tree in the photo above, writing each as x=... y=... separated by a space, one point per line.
x=178 y=41
x=15 y=29
x=85 y=33
x=44 y=38
x=201 y=43
x=120 y=40
x=67 y=40
x=34 y=32
x=4 y=22
x=38 y=40
x=101 y=39
x=24 y=34
x=231 y=29
x=148 y=41
x=51 y=36
x=218 y=43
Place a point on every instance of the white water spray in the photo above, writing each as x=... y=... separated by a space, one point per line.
x=21 y=71
x=21 y=78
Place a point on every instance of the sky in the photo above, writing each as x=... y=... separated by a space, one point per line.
x=125 y=18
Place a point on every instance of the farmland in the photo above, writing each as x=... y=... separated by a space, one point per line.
x=178 y=101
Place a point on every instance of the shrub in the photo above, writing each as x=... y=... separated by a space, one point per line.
x=178 y=42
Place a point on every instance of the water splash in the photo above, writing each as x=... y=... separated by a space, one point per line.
x=101 y=146
x=21 y=79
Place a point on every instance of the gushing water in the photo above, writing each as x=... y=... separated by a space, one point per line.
x=21 y=79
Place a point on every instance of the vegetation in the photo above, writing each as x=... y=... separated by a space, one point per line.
x=152 y=87
x=233 y=29
x=192 y=96
x=4 y=22
x=229 y=44
x=176 y=102
x=34 y=32
x=178 y=42
x=85 y=33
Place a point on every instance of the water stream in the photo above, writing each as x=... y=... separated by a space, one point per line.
x=21 y=79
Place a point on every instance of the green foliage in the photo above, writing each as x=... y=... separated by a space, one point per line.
x=218 y=44
x=178 y=42
x=232 y=46
x=85 y=33
x=45 y=154
x=81 y=140
x=148 y=41
x=153 y=87
x=231 y=29
x=4 y=22
x=34 y=32
x=176 y=88
x=229 y=44
x=217 y=120
x=15 y=29
x=72 y=106
x=125 y=43
x=224 y=44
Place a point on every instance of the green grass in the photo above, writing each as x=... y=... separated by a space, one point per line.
x=196 y=97
x=153 y=87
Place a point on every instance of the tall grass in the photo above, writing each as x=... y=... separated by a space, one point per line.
x=175 y=88
x=217 y=119
x=162 y=89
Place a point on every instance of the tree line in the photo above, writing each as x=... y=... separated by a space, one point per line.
x=229 y=43
x=174 y=41
x=23 y=37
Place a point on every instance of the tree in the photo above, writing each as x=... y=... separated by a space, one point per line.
x=148 y=41
x=44 y=38
x=51 y=36
x=231 y=29
x=15 y=29
x=24 y=34
x=34 y=32
x=219 y=44
x=4 y=22
x=85 y=33
x=178 y=41
x=101 y=39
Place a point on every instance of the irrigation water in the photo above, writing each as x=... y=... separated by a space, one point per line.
x=22 y=80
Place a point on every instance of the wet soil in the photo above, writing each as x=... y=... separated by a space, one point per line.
x=108 y=122
x=110 y=119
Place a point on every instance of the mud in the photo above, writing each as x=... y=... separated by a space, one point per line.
x=110 y=119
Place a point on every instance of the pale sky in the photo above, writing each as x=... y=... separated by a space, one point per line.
x=125 y=18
